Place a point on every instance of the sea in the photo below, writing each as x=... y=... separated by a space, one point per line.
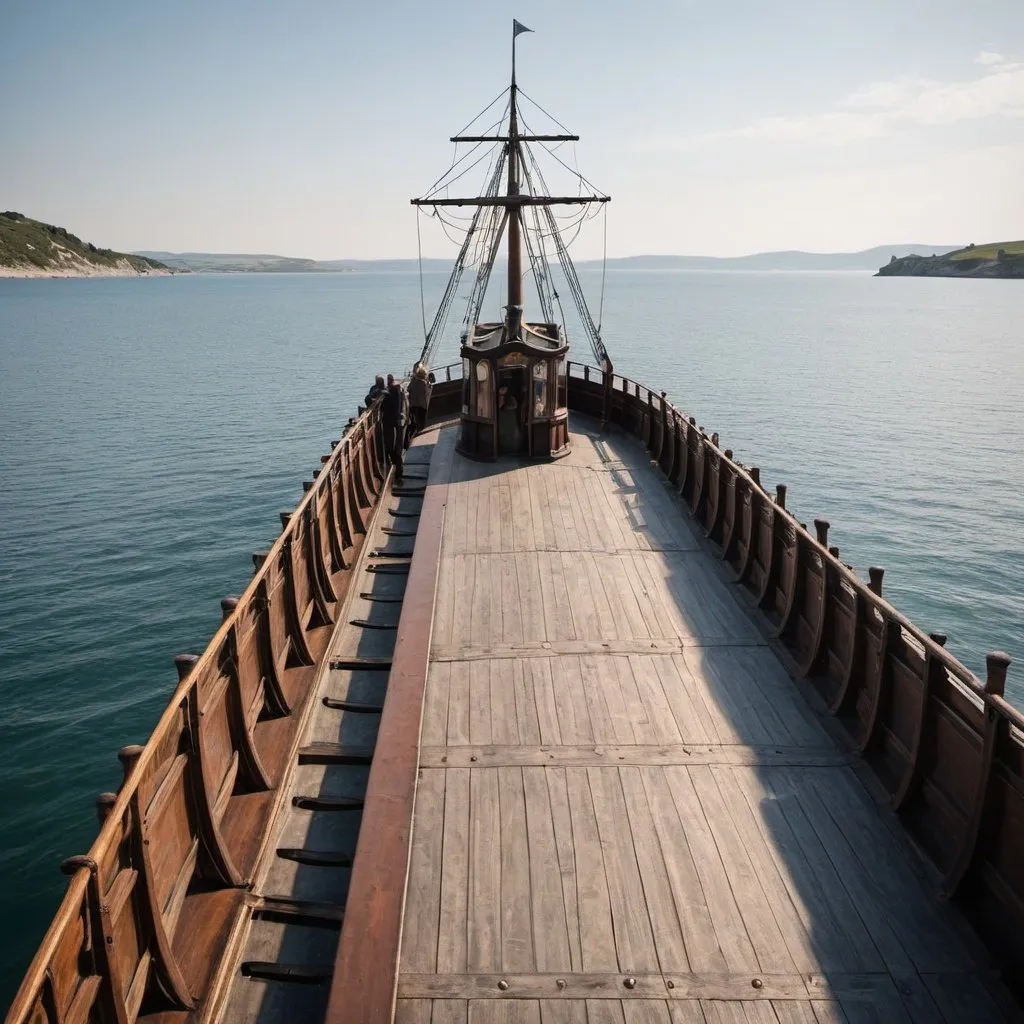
x=152 y=428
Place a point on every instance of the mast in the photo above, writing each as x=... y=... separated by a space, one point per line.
x=515 y=255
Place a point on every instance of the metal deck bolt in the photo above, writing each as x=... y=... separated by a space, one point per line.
x=630 y=983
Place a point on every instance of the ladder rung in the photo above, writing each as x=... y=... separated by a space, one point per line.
x=392 y=532
x=298 y=974
x=381 y=553
x=299 y=911
x=334 y=753
x=379 y=664
x=328 y=803
x=315 y=858
x=392 y=569
x=367 y=624
x=353 y=706
x=380 y=598
x=403 y=515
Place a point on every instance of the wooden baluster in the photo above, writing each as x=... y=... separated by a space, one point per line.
x=877 y=676
x=352 y=491
x=730 y=512
x=647 y=435
x=334 y=539
x=319 y=570
x=996 y=725
x=672 y=468
x=658 y=444
x=684 y=457
x=698 y=474
x=714 y=506
x=212 y=843
x=750 y=498
x=357 y=449
x=817 y=616
x=165 y=966
x=932 y=675
x=839 y=701
x=100 y=938
x=271 y=661
x=789 y=581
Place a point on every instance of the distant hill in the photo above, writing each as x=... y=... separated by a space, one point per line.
x=995 y=259
x=235 y=263
x=30 y=248
x=866 y=259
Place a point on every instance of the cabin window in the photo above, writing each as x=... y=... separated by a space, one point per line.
x=483 y=389
x=540 y=389
x=560 y=374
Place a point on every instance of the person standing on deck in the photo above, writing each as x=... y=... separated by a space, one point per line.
x=375 y=392
x=393 y=417
x=419 y=402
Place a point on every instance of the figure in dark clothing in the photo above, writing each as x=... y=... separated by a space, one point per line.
x=393 y=418
x=375 y=392
x=419 y=402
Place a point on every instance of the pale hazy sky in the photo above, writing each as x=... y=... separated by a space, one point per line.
x=304 y=128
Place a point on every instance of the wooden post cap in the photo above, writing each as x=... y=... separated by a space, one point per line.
x=834 y=552
x=334 y=444
x=128 y=756
x=316 y=473
x=996 y=665
x=755 y=474
x=258 y=558
x=693 y=421
x=285 y=519
x=73 y=865
x=875 y=575
x=780 y=495
x=727 y=453
x=307 y=485
x=821 y=529
x=104 y=804
x=939 y=638
x=324 y=459
x=227 y=607
x=714 y=438
x=184 y=663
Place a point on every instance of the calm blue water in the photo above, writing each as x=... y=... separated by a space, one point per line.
x=151 y=429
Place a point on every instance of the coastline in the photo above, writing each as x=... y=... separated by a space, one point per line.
x=84 y=270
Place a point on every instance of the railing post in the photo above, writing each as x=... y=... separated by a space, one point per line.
x=996 y=665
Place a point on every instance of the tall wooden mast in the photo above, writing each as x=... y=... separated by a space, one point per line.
x=515 y=255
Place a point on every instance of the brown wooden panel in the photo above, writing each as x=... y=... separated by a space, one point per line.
x=366 y=970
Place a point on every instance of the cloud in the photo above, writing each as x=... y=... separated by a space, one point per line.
x=880 y=109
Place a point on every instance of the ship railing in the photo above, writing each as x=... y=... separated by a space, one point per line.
x=151 y=908
x=945 y=747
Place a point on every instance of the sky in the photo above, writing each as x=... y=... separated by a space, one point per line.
x=718 y=128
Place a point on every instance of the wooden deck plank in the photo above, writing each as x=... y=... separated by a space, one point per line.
x=458 y=705
x=538 y=673
x=516 y=911
x=838 y=935
x=670 y=945
x=434 y=727
x=563 y=1011
x=597 y=941
x=574 y=721
x=565 y=852
x=423 y=894
x=531 y=596
x=661 y=723
x=550 y=925
x=504 y=723
x=484 y=914
x=480 y=730
x=452 y=926
x=504 y=1011
x=765 y=934
x=634 y=941
x=729 y=925
x=450 y=1011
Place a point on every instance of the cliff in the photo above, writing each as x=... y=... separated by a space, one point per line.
x=30 y=248
x=997 y=259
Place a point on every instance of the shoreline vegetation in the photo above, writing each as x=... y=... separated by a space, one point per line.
x=31 y=248
x=994 y=260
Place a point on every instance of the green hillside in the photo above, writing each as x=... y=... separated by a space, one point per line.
x=987 y=252
x=27 y=244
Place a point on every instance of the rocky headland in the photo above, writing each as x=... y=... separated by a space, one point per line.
x=997 y=260
x=30 y=248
